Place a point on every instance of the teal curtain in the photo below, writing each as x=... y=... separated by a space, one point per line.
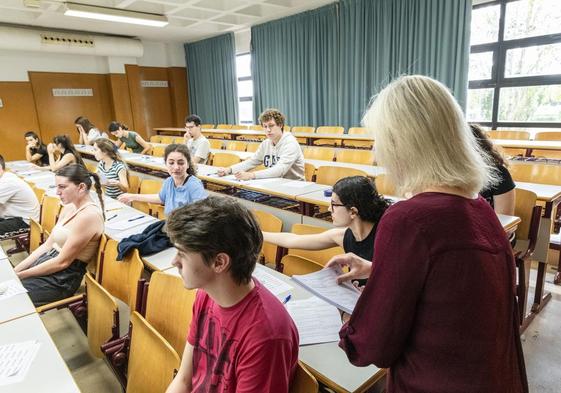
x=295 y=67
x=383 y=39
x=211 y=70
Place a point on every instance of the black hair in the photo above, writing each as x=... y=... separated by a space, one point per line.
x=360 y=192
x=183 y=149
x=2 y=162
x=193 y=118
x=115 y=125
x=486 y=145
x=77 y=174
x=67 y=145
x=34 y=135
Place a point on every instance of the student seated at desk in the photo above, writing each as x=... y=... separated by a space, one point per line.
x=88 y=132
x=111 y=169
x=241 y=338
x=35 y=149
x=280 y=153
x=441 y=310
x=18 y=202
x=128 y=139
x=55 y=269
x=198 y=144
x=356 y=207
x=181 y=188
x=61 y=153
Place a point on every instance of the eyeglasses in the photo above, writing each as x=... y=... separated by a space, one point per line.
x=334 y=204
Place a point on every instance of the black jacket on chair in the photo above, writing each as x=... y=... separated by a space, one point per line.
x=150 y=241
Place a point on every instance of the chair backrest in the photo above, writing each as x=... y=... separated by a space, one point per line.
x=256 y=127
x=498 y=134
x=303 y=129
x=152 y=360
x=361 y=144
x=91 y=167
x=39 y=193
x=294 y=264
x=329 y=175
x=384 y=185
x=35 y=234
x=319 y=256
x=156 y=139
x=169 y=308
x=357 y=131
x=268 y=222
x=147 y=186
x=330 y=130
x=355 y=156
x=134 y=183
x=49 y=212
x=167 y=139
x=179 y=140
x=216 y=143
x=304 y=381
x=120 y=278
x=252 y=147
x=158 y=151
x=319 y=153
x=524 y=204
x=309 y=171
x=239 y=127
x=207 y=126
x=548 y=136
x=225 y=159
x=94 y=266
x=287 y=128
x=223 y=126
x=103 y=316
x=536 y=173
x=236 y=145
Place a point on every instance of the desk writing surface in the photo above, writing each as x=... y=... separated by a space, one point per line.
x=48 y=373
x=371 y=170
x=508 y=222
x=16 y=306
x=545 y=192
x=526 y=144
x=286 y=188
x=161 y=260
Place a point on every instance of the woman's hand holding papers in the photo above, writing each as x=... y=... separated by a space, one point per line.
x=359 y=268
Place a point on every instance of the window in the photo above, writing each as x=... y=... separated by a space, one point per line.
x=515 y=64
x=245 y=88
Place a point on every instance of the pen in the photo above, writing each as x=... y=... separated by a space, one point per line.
x=135 y=218
x=115 y=208
x=112 y=217
x=287 y=299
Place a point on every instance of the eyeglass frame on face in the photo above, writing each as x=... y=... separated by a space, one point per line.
x=334 y=204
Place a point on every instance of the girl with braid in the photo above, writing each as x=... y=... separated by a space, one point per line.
x=54 y=271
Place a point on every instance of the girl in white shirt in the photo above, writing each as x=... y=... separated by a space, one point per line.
x=88 y=132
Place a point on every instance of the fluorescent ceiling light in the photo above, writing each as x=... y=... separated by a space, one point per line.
x=115 y=15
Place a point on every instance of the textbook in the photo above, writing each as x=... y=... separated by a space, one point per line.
x=324 y=285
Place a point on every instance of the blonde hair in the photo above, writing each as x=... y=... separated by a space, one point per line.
x=423 y=140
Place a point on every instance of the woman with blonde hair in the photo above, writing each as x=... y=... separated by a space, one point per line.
x=439 y=309
x=110 y=168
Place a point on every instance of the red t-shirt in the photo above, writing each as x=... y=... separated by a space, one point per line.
x=439 y=308
x=249 y=347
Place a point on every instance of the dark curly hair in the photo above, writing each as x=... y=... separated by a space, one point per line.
x=360 y=192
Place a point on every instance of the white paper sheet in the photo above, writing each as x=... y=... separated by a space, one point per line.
x=11 y=288
x=15 y=360
x=323 y=284
x=296 y=184
x=124 y=224
x=317 y=321
x=273 y=284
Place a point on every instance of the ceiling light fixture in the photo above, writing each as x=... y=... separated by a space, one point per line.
x=114 y=15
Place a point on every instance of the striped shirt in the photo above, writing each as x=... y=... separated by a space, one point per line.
x=111 y=174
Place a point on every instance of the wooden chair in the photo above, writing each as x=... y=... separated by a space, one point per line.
x=225 y=159
x=319 y=153
x=158 y=151
x=35 y=235
x=167 y=139
x=304 y=381
x=536 y=173
x=329 y=175
x=518 y=135
x=207 y=126
x=355 y=156
x=134 y=184
x=179 y=140
x=223 y=126
x=358 y=144
x=216 y=143
x=252 y=147
x=384 y=185
x=169 y=307
x=91 y=167
x=256 y=127
x=309 y=171
x=156 y=139
x=39 y=193
x=294 y=264
x=152 y=360
x=239 y=127
x=147 y=186
x=301 y=140
x=103 y=316
x=547 y=136
x=157 y=211
x=268 y=222
x=50 y=210
x=236 y=146
x=329 y=130
x=318 y=256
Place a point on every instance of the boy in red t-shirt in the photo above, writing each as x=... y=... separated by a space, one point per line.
x=241 y=337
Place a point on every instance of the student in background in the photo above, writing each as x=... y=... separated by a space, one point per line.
x=198 y=144
x=35 y=149
x=181 y=188
x=280 y=153
x=88 y=132
x=501 y=196
x=55 y=269
x=356 y=207
x=440 y=310
x=241 y=337
x=111 y=169
x=18 y=202
x=128 y=139
x=62 y=152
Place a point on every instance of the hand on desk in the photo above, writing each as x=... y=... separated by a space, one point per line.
x=223 y=171
x=359 y=268
x=126 y=197
x=244 y=175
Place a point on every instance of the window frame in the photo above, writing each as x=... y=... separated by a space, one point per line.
x=244 y=98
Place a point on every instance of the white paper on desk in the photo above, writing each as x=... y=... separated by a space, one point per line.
x=296 y=184
x=30 y=172
x=126 y=224
x=273 y=284
x=316 y=320
x=131 y=231
x=12 y=288
x=323 y=284
x=2 y=254
x=41 y=176
x=15 y=360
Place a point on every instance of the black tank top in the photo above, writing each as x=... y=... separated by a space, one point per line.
x=363 y=248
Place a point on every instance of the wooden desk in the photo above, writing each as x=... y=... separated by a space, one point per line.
x=527 y=144
x=15 y=306
x=371 y=170
x=48 y=372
